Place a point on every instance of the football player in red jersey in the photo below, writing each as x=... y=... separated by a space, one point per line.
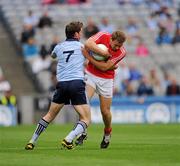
x=100 y=75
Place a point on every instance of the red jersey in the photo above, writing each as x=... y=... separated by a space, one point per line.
x=116 y=56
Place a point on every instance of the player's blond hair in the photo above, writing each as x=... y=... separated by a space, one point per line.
x=119 y=36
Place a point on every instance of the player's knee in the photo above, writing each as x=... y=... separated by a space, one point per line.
x=86 y=120
x=50 y=116
x=106 y=113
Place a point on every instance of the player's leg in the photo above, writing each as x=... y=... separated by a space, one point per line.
x=105 y=105
x=43 y=124
x=90 y=90
x=90 y=85
x=105 y=91
x=81 y=104
x=81 y=125
x=58 y=100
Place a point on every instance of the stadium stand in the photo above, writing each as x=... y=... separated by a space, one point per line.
x=12 y=66
x=141 y=20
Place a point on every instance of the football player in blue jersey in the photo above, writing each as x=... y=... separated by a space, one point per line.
x=70 y=88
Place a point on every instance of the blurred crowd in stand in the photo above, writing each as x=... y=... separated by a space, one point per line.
x=69 y=2
x=129 y=80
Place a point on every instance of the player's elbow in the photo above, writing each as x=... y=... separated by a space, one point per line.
x=53 y=56
x=104 y=68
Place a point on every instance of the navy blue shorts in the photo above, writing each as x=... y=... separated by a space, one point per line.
x=70 y=92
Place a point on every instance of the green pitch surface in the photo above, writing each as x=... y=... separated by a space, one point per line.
x=131 y=145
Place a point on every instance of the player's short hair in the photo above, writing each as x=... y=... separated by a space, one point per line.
x=72 y=28
x=119 y=36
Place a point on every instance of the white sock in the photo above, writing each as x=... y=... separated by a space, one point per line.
x=41 y=126
x=79 y=129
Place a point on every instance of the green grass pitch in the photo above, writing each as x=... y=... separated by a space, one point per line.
x=131 y=145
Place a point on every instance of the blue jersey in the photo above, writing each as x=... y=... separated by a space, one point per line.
x=70 y=60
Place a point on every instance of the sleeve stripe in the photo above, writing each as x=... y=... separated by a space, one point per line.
x=97 y=36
